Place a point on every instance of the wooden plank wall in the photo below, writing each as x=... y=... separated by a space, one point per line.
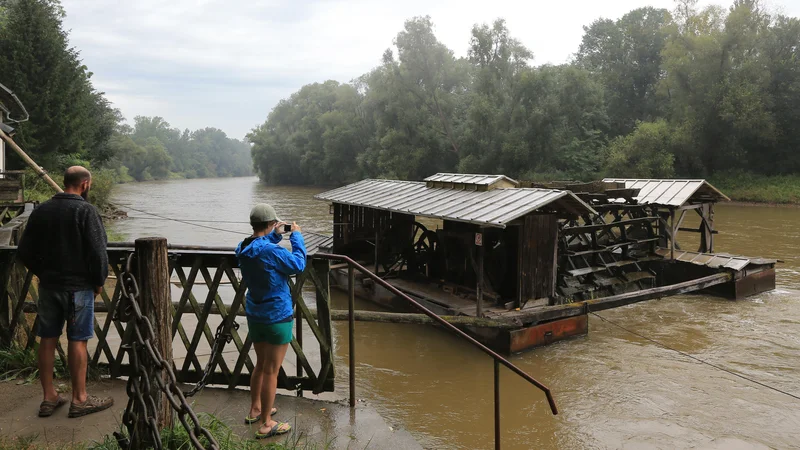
x=357 y=223
x=11 y=189
x=538 y=257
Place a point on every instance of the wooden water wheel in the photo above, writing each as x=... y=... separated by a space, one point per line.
x=422 y=253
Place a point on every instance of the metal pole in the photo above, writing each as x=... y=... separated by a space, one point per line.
x=299 y=337
x=447 y=325
x=496 y=405
x=351 y=275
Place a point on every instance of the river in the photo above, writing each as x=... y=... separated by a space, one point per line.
x=614 y=389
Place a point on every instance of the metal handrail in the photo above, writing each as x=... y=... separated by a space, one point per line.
x=498 y=359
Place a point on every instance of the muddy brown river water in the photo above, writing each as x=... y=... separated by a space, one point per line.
x=614 y=389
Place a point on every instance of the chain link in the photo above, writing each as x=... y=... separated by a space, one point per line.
x=145 y=359
x=220 y=339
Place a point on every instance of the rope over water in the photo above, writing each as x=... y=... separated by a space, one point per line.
x=180 y=221
x=695 y=358
x=744 y=377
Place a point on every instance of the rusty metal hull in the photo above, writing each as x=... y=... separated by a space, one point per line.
x=548 y=333
x=498 y=339
x=754 y=283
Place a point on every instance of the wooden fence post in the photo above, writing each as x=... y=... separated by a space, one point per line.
x=322 y=269
x=6 y=265
x=156 y=302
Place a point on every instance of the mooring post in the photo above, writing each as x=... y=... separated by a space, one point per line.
x=153 y=277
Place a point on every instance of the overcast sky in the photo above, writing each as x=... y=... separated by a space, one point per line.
x=226 y=63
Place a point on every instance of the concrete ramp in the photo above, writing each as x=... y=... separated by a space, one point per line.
x=319 y=423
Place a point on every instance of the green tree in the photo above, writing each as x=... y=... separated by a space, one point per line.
x=315 y=134
x=494 y=112
x=566 y=123
x=68 y=117
x=648 y=152
x=718 y=82
x=626 y=56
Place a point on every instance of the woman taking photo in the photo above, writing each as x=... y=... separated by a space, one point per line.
x=266 y=267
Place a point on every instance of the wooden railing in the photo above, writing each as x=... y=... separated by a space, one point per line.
x=207 y=291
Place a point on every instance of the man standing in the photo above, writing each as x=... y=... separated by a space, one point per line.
x=64 y=245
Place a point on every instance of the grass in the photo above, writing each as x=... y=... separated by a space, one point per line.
x=175 y=438
x=114 y=236
x=18 y=363
x=103 y=182
x=747 y=187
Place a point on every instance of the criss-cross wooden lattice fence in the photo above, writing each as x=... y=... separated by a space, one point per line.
x=207 y=292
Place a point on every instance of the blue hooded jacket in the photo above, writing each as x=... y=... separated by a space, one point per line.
x=266 y=267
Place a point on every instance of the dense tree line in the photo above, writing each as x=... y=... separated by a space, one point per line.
x=73 y=123
x=655 y=93
x=152 y=149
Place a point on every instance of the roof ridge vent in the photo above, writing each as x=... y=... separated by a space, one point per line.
x=469 y=182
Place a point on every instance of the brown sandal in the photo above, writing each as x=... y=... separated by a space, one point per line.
x=91 y=405
x=47 y=408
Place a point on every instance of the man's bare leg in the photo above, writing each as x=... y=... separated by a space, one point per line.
x=78 y=361
x=47 y=360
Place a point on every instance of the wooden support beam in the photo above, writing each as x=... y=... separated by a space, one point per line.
x=672 y=234
x=568 y=231
x=577 y=308
x=706 y=214
x=696 y=230
x=39 y=171
x=481 y=253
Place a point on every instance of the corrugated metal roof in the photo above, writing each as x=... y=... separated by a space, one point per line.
x=483 y=180
x=313 y=242
x=491 y=208
x=715 y=260
x=669 y=192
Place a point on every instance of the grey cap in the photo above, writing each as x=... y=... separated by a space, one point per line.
x=262 y=213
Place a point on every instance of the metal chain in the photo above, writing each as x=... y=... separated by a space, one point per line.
x=144 y=359
x=220 y=339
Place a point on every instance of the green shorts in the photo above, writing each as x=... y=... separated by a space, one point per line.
x=275 y=334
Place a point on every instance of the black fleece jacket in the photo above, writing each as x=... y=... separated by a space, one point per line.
x=64 y=244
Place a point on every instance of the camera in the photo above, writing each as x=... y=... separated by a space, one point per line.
x=287 y=228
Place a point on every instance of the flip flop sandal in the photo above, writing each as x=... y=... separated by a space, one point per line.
x=47 y=408
x=251 y=420
x=279 y=428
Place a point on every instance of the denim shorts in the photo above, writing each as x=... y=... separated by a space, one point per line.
x=74 y=307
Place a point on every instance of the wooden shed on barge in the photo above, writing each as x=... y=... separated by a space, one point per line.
x=536 y=257
x=463 y=244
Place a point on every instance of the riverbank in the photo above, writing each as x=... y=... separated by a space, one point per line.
x=749 y=188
